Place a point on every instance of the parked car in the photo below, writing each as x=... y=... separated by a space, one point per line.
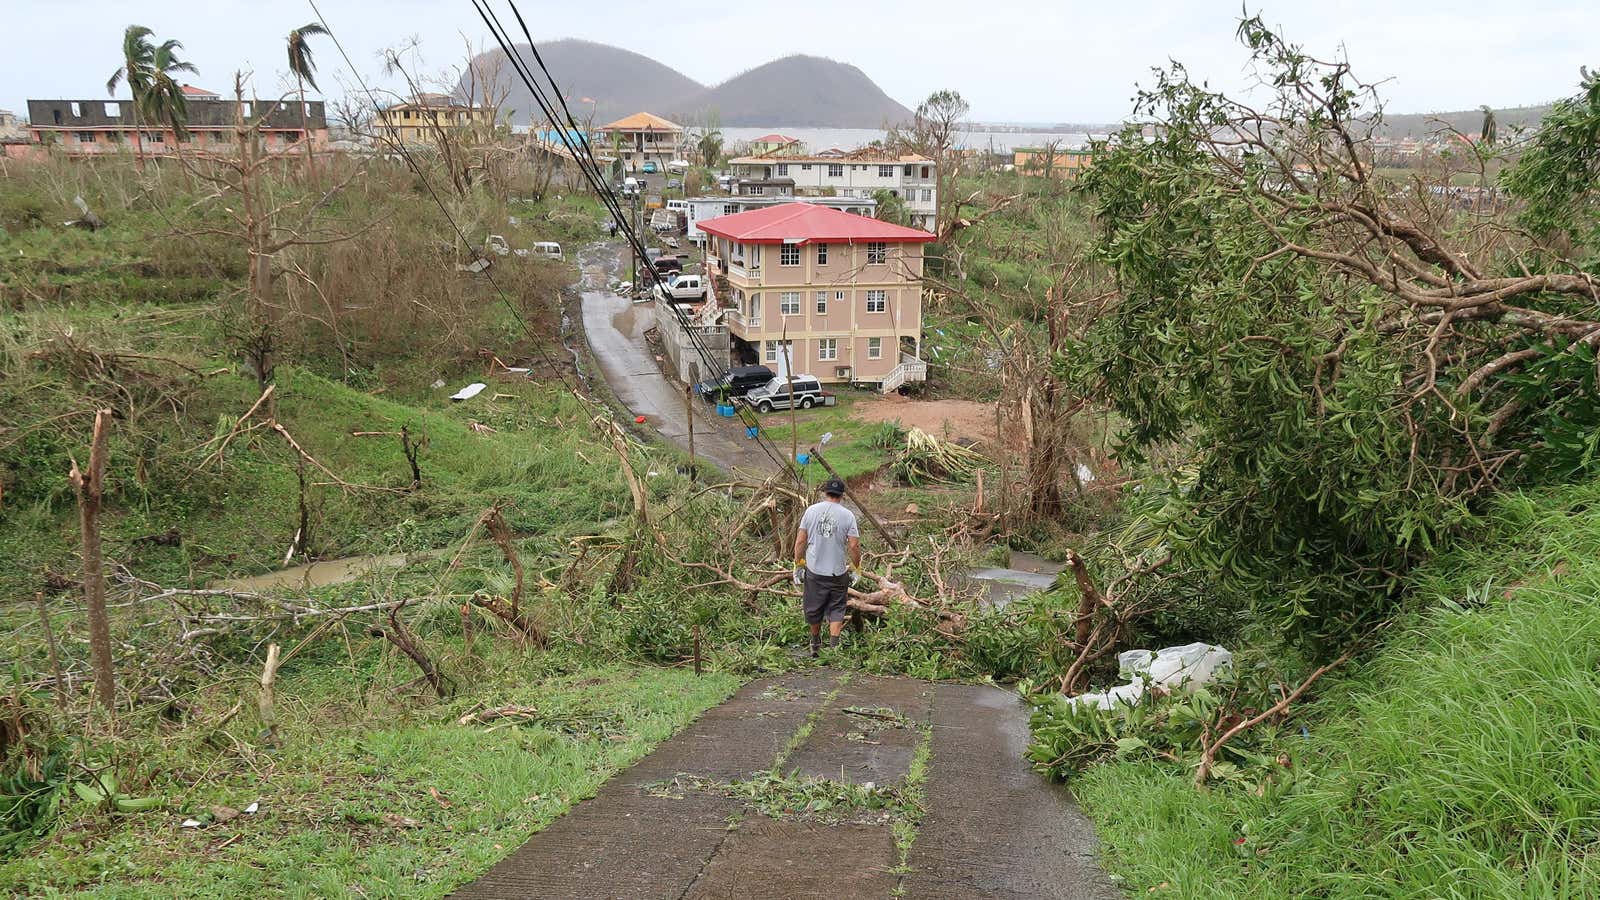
x=675 y=184
x=630 y=186
x=775 y=394
x=678 y=165
x=649 y=167
x=681 y=288
x=665 y=264
x=736 y=382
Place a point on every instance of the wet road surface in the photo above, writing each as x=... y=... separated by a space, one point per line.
x=992 y=827
x=615 y=329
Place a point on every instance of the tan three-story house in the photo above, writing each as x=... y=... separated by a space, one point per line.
x=821 y=292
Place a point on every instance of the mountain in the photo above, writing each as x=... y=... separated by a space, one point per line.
x=619 y=81
x=1466 y=121
x=802 y=91
x=795 y=90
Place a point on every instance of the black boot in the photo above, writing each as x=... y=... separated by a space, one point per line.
x=816 y=645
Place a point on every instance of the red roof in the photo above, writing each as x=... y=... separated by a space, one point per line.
x=775 y=138
x=805 y=223
x=193 y=91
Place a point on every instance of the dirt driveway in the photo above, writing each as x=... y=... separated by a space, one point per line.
x=948 y=419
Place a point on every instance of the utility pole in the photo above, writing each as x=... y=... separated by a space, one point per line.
x=636 y=232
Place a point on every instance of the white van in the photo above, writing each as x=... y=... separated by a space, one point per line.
x=548 y=250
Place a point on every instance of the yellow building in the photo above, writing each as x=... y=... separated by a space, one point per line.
x=1060 y=162
x=414 y=122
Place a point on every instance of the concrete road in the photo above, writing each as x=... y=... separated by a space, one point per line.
x=991 y=828
x=615 y=330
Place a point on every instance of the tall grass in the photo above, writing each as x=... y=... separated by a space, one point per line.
x=1462 y=760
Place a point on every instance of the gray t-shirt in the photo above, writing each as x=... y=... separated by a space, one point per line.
x=828 y=525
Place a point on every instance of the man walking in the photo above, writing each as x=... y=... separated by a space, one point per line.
x=828 y=537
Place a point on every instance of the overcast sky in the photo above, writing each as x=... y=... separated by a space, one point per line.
x=1038 y=61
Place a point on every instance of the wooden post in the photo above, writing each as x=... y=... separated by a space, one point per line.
x=688 y=409
x=264 y=705
x=878 y=526
x=697 y=649
x=794 y=422
x=55 y=658
x=1000 y=457
x=88 y=486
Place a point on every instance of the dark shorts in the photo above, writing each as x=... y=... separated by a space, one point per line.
x=825 y=596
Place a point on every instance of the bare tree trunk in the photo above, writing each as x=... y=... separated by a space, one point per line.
x=305 y=129
x=88 y=486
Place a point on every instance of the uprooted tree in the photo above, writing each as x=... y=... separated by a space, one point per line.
x=1339 y=365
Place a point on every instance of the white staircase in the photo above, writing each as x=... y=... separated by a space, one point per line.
x=910 y=369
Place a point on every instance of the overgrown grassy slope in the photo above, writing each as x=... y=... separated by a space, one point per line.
x=1461 y=760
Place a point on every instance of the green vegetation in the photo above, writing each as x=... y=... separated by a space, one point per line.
x=388 y=796
x=1456 y=760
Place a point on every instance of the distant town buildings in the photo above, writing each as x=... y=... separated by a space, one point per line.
x=639 y=139
x=859 y=173
x=99 y=127
x=698 y=209
x=819 y=291
x=1056 y=162
x=418 y=121
x=776 y=145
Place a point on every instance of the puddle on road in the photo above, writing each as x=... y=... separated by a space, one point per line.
x=1027 y=574
x=318 y=574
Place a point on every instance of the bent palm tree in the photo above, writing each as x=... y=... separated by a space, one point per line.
x=148 y=69
x=138 y=70
x=305 y=70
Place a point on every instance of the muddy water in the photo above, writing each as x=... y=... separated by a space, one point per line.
x=1026 y=574
x=318 y=574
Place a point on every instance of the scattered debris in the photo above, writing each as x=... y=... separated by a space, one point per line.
x=476 y=266
x=438 y=383
x=1168 y=669
x=480 y=428
x=470 y=391
x=522 y=713
x=927 y=458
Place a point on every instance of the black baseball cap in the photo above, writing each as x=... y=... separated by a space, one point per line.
x=833 y=487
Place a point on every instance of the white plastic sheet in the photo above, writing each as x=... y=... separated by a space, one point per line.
x=1170 y=668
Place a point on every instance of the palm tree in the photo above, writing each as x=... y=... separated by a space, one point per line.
x=710 y=146
x=137 y=69
x=148 y=69
x=304 y=69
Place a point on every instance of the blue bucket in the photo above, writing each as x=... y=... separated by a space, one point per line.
x=725 y=411
x=802 y=458
x=752 y=430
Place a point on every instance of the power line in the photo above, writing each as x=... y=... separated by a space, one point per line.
x=477 y=251
x=588 y=165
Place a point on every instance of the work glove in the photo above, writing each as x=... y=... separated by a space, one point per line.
x=799 y=573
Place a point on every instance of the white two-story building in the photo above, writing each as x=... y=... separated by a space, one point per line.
x=860 y=173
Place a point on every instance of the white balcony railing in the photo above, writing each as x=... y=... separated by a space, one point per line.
x=910 y=369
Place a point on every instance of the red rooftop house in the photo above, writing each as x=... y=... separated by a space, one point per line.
x=844 y=291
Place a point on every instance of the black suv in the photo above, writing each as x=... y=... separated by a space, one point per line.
x=739 y=380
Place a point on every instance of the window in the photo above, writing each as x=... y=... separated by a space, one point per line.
x=789 y=255
x=877 y=301
x=789 y=303
x=772 y=351
x=822 y=303
x=113 y=109
x=822 y=254
x=927 y=195
x=729 y=209
x=835 y=171
x=886 y=171
x=838 y=297
x=805 y=167
x=874 y=348
x=84 y=137
x=154 y=137
x=907 y=172
x=877 y=252
x=755 y=190
x=827 y=348
x=924 y=171
x=783 y=169
x=76 y=110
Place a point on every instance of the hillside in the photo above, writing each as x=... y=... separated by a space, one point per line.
x=619 y=81
x=802 y=90
x=1466 y=121
x=795 y=91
